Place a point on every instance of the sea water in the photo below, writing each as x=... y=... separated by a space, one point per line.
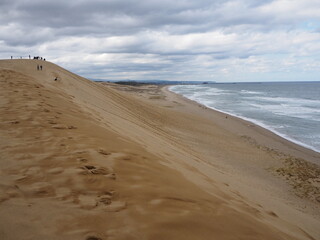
x=291 y=110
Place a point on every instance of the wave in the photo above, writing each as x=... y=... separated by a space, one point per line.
x=297 y=111
x=280 y=100
x=251 y=92
x=263 y=125
x=307 y=109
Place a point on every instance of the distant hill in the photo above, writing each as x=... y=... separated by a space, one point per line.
x=156 y=82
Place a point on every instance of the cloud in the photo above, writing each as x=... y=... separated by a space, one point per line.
x=182 y=39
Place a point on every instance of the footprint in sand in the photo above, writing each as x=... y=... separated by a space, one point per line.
x=90 y=169
x=40 y=189
x=104 y=200
x=103 y=152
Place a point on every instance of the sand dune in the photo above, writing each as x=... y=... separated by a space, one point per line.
x=83 y=160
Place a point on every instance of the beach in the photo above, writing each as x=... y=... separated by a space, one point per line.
x=86 y=160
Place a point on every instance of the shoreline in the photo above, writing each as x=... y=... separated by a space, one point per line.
x=294 y=144
x=256 y=122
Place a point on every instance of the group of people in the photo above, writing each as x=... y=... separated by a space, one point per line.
x=35 y=57
x=39 y=58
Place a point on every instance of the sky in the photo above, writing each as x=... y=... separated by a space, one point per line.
x=198 y=40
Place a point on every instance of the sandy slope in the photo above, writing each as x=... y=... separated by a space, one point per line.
x=80 y=160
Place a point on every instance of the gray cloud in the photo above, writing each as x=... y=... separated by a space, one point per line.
x=171 y=39
x=119 y=17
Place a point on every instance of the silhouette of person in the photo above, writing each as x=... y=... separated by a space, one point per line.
x=41 y=67
x=38 y=67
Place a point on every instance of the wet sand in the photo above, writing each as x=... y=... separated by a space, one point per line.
x=85 y=160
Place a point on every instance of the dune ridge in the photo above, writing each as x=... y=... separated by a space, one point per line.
x=83 y=160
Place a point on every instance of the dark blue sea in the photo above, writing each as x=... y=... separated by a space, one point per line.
x=291 y=110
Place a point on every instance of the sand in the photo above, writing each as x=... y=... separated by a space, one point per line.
x=85 y=160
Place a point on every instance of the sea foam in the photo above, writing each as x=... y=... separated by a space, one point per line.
x=291 y=110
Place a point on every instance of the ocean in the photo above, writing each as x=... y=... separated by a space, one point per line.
x=291 y=110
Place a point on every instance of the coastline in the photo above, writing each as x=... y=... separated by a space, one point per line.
x=85 y=160
x=256 y=123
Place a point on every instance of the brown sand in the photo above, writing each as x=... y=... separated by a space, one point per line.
x=83 y=160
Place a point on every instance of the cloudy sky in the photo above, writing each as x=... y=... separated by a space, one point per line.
x=218 y=40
